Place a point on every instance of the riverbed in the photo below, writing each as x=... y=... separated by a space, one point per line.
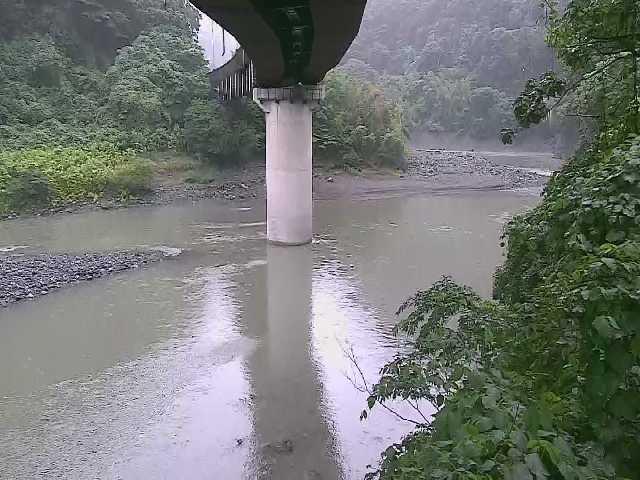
x=230 y=361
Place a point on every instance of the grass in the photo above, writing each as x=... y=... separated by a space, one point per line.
x=44 y=177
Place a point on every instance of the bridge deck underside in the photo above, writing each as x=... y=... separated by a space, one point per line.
x=289 y=41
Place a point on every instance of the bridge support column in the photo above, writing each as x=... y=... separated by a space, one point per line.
x=288 y=114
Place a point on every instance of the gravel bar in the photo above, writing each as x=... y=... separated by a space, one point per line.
x=430 y=163
x=28 y=276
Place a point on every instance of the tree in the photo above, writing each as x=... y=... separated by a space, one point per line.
x=598 y=42
x=430 y=55
x=223 y=134
x=54 y=89
x=355 y=125
x=156 y=79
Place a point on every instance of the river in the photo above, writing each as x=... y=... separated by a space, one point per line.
x=228 y=361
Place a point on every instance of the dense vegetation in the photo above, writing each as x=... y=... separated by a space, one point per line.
x=36 y=178
x=543 y=382
x=355 y=125
x=91 y=79
x=75 y=72
x=84 y=88
x=454 y=65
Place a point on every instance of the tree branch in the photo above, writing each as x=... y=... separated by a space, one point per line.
x=350 y=354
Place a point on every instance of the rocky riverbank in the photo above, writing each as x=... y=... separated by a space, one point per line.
x=434 y=163
x=427 y=171
x=249 y=185
x=24 y=277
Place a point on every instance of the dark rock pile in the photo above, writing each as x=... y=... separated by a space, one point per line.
x=252 y=187
x=430 y=163
x=28 y=276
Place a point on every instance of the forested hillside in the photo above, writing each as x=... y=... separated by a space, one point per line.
x=88 y=88
x=454 y=65
x=121 y=72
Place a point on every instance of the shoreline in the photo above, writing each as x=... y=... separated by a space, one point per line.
x=28 y=276
x=437 y=172
x=428 y=171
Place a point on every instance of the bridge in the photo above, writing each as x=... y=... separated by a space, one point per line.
x=288 y=46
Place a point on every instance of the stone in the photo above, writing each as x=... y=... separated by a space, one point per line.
x=284 y=447
x=28 y=276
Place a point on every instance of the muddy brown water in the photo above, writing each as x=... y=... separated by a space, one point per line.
x=227 y=362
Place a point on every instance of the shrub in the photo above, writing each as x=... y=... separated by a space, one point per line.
x=356 y=125
x=223 y=133
x=26 y=190
x=543 y=382
x=75 y=174
x=131 y=178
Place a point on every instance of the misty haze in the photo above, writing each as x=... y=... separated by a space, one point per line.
x=320 y=239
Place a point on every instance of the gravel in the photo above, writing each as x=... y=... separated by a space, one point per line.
x=430 y=163
x=249 y=182
x=250 y=187
x=28 y=276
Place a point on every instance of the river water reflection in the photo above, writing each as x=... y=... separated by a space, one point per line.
x=229 y=361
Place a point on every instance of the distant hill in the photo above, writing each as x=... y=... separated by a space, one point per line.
x=454 y=65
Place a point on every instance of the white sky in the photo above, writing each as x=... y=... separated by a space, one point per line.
x=210 y=38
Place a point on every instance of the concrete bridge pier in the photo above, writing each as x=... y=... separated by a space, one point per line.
x=288 y=113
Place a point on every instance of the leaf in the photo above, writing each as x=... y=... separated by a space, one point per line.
x=615 y=236
x=535 y=465
x=519 y=439
x=490 y=399
x=487 y=466
x=484 y=424
x=624 y=404
x=532 y=418
x=519 y=471
x=548 y=452
x=606 y=327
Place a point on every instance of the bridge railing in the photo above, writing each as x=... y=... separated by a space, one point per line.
x=234 y=79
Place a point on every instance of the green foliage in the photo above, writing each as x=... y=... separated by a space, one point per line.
x=356 y=125
x=26 y=190
x=544 y=381
x=131 y=74
x=90 y=33
x=54 y=91
x=498 y=42
x=598 y=42
x=154 y=81
x=497 y=417
x=530 y=107
x=137 y=81
x=223 y=133
x=129 y=178
x=577 y=256
x=449 y=101
x=37 y=177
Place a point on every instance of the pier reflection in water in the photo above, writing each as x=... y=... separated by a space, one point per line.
x=291 y=423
